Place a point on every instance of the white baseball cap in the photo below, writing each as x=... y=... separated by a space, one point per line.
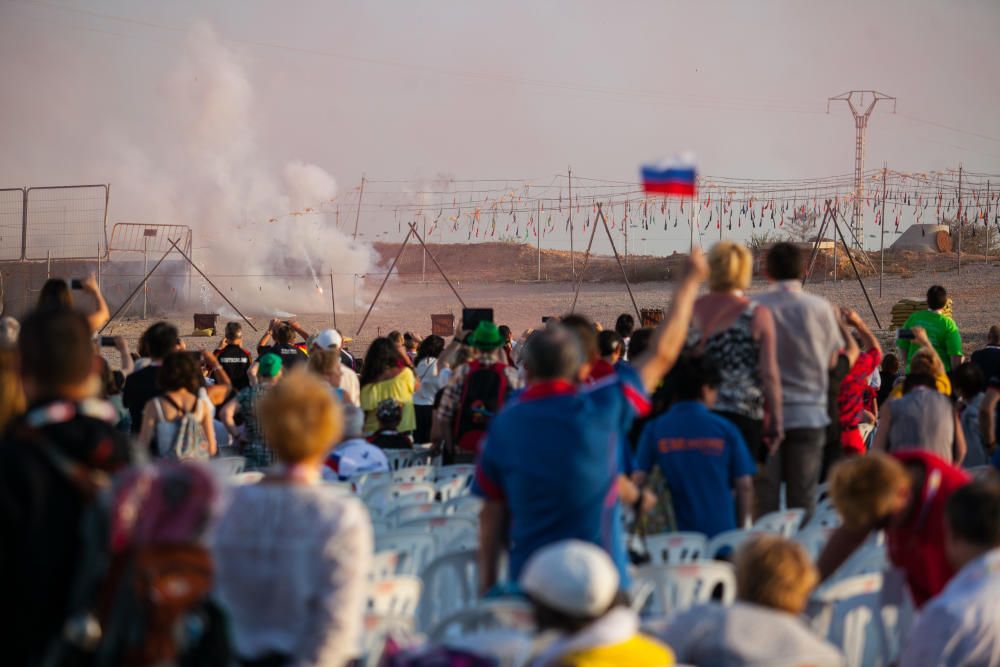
x=572 y=576
x=328 y=338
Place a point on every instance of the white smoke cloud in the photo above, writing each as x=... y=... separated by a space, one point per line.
x=203 y=167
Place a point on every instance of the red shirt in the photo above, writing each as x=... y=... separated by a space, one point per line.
x=852 y=399
x=600 y=369
x=917 y=547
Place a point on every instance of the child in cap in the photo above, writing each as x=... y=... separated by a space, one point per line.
x=389 y=413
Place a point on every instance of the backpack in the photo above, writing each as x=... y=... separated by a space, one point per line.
x=141 y=594
x=188 y=441
x=483 y=394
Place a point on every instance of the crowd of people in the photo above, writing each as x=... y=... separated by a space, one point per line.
x=114 y=540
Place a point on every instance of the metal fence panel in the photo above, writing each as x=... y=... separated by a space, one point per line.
x=66 y=222
x=11 y=223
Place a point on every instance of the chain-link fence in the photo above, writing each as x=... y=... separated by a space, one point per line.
x=11 y=224
x=66 y=222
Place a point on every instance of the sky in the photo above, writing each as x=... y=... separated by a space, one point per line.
x=521 y=89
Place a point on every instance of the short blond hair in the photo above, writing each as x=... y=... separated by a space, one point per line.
x=864 y=488
x=323 y=361
x=730 y=266
x=773 y=571
x=300 y=418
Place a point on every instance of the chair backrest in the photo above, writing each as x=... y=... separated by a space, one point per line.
x=785 y=522
x=452 y=488
x=675 y=548
x=402 y=513
x=227 y=466
x=509 y=614
x=849 y=617
x=450 y=584
x=376 y=497
x=824 y=516
x=678 y=587
x=414 y=474
x=250 y=477
x=465 y=506
x=396 y=596
x=464 y=470
x=726 y=542
x=384 y=565
x=869 y=558
x=416 y=492
x=367 y=480
x=449 y=531
x=417 y=548
x=398 y=458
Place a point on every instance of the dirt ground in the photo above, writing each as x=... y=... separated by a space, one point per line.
x=407 y=304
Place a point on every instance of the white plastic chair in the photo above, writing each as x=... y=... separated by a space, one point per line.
x=403 y=513
x=398 y=458
x=675 y=548
x=416 y=547
x=502 y=614
x=414 y=474
x=450 y=585
x=227 y=466
x=463 y=470
x=395 y=597
x=414 y=492
x=464 y=506
x=451 y=532
x=786 y=522
x=729 y=540
x=869 y=558
x=377 y=629
x=678 y=587
x=822 y=492
x=451 y=488
x=824 y=516
x=849 y=617
x=367 y=480
x=384 y=565
x=249 y=477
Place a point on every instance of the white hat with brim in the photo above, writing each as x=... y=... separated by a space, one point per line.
x=573 y=577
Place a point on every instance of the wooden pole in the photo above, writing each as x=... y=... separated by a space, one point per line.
x=857 y=274
x=413 y=228
x=960 y=219
x=209 y=281
x=572 y=255
x=986 y=219
x=538 y=240
x=586 y=260
x=333 y=301
x=385 y=280
x=600 y=214
x=357 y=214
x=131 y=297
x=881 y=268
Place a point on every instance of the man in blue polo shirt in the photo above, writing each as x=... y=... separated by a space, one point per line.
x=702 y=456
x=549 y=467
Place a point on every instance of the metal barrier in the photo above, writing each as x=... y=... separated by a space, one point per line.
x=65 y=222
x=12 y=224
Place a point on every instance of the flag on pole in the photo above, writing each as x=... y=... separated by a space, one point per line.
x=674 y=176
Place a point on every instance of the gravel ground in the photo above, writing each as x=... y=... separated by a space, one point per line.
x=408 y=305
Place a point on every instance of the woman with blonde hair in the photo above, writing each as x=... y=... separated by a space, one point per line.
x=774 y=579
x=738 y=336
x=292 y=554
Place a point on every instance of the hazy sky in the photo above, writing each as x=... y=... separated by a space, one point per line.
x=511 y=89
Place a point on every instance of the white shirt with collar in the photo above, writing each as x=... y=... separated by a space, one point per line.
x=961 y=626
x=350 y=384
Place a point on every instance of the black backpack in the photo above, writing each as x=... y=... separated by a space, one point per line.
x=483 y=394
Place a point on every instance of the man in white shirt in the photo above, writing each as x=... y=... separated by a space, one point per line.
x=961 y=626
x=330 y=339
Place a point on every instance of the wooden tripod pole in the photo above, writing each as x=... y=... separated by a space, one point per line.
x=413 y=230
x=586 y=260
x=385 y=280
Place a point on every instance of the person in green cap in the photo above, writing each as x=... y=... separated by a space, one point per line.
x=478 y=389
x=253 y=446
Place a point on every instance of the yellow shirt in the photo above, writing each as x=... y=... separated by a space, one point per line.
x=638 y=651
x=942 y=381
x=401 y=388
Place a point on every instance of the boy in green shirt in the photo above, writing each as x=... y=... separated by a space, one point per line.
x=941 y=330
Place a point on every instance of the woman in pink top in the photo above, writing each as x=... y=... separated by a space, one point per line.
x=738 y=335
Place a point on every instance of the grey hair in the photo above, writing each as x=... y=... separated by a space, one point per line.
x=354 y=421
x=552 y=354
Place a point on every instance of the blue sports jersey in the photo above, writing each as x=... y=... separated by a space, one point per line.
x=700 y=455
x=552 y=456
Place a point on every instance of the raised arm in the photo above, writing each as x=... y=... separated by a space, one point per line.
x=868 y=339
x=668 y=339
x=99 y=317
x=123 y=353
x=920 y=339
x=265 y=340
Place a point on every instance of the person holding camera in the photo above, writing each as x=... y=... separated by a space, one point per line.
x=283 y=333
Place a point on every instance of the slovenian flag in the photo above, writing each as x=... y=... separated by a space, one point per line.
x=675 y=176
